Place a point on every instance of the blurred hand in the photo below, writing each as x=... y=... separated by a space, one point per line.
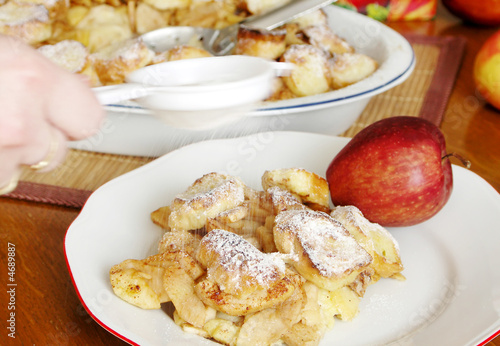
x=42 y=107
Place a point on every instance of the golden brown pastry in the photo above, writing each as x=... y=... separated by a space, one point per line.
x=375 y=239
x=322 y=250
x=323 y=37
x=72 y=56
x=241 y=279
x=308 y=186
x=113 y=63
x=206 y=197
x=350 y=68
x=311 y=73
x=262 y=43
x=29 y=22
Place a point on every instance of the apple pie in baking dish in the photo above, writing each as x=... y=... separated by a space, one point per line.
x=102 y=39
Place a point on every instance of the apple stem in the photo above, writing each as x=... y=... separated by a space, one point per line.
x=464 y=161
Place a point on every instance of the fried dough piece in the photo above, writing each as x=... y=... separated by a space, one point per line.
x=308 y=186
x=303 y=335
x=313 y=321
x=311 y=73
x=294 y=35
x=269 y=325
x=72 y=56
x=280 y=91
x=189 y=328
x=224 y=331
x=375 y=239
x=113 y=63
x=56 y=8
x=102 y=26
x=322 y=250
x=180 y=287
x=148 y=18
x=281 y=198
x=350 y=68
x=261 y=6
x=237 y=220
x=180 y=241
x=323 y=37
x=318 y=17
x=262 y=43
x=160 y=217
x=343 y=302
x=183 y=52
x=208 y=196
x=212 y=295
x=168 y=4
x=364 y=279
x=27 y=21
x=266 y=239
x=236 y=266
x=142 y=282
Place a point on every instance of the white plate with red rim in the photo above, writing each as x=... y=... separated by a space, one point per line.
x=451 y=295
x=130 y=131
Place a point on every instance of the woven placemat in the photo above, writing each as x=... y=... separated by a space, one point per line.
x=424 y=94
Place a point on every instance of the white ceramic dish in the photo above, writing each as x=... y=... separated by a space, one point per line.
x=135 y=133
x=224 y=87
x=451 y=295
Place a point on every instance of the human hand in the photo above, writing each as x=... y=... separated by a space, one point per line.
x=42 y=107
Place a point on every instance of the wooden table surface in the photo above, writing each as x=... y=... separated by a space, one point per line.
x=47 y=309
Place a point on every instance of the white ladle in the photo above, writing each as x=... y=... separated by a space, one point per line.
x=198 y=93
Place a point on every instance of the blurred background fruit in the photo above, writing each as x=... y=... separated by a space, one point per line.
x=482 y=12
x=487 y=70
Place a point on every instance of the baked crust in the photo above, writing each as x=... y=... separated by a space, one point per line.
x=27 y=21
x=322 y=249
x=115 y=62
x=262 y=43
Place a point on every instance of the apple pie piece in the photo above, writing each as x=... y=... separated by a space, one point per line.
x=375 y=239
x=114 y=62
x=72 y=56
x=311 y=73
x=262 y=43
x=309 y=187
x=321 y=249
x=322 y=36
x=350 y=68
x=29 y=22
x=143 y=282
x=241 y=279
x=208 y=196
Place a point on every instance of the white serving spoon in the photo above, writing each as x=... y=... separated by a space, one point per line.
x=198 y=93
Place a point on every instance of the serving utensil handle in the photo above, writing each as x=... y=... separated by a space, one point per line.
x=114 y=94
x=285 y=13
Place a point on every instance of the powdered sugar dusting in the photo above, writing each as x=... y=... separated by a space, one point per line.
x=283 y=199
x=70 y=55
x=242 y=259
x=225 y=189
x=329 y=246
x=13 y=14
x=356 y=217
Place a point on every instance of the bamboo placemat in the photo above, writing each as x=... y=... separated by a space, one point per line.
x=425 y=93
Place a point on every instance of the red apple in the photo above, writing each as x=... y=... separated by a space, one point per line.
x=396 y=171
x=483 y=12
x=487 y=70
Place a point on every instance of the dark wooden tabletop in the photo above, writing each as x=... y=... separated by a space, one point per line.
x=47 y=309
